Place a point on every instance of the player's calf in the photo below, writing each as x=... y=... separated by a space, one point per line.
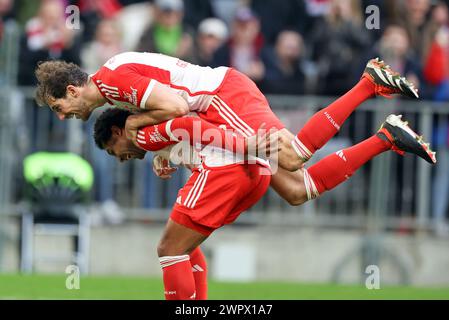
x=174 y=250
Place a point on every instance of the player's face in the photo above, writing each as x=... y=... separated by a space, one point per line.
x=71 y=106
x=121 y=147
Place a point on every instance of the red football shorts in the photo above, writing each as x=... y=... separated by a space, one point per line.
x=240 y=105
x=215 y=196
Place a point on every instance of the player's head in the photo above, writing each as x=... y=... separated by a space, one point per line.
x=109 y=135
x=60 y=86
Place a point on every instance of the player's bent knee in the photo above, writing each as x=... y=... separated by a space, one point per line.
x=161 y=250
x=296 y=201
x=165 y=249
x=295 y=198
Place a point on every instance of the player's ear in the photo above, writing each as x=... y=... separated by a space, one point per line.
x=72 y=90
x=116 y=131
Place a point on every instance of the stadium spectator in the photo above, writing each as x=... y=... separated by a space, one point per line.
x=196 y=11
x=276 y=16
x=394 y=48
x=412 y=14
x=436 y=72
x=283 y=65
x=225 y=9
x=133 y=19
x=244 y=48
x=5 y=9
x=5 y=15
x=46 y=37
x=212 y=33
x=168 y=35
x=316 y=10
x=93 y=11
x=337 y=41
x=107 y=43
x=436 y=49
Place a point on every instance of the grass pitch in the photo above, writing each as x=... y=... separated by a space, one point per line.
x=117 y=287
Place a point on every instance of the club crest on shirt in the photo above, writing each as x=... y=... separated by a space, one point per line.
x=131 y=97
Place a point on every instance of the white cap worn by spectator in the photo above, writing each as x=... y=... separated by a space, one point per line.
x=170 y=5
x=214 y=27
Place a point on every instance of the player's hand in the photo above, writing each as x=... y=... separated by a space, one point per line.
x=131 y=128
x=162 y=168
x=264 y=143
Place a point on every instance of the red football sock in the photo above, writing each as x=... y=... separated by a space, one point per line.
x=179 y=282
x=326 y=123
x=199 y=268
x=336 y=168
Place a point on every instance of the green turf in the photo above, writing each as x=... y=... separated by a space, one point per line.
x=53 y=287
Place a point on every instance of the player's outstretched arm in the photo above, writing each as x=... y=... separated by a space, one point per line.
x=193 y=130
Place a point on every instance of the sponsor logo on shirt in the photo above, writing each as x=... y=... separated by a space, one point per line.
x=131 y=97
x=156 y=136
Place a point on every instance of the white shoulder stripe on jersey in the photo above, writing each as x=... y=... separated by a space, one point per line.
x=168 y=130
x=110 y=91
x=147 y=93
x=108 y=87
x=114 y=95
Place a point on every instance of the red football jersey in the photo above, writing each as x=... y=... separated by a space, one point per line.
x=127 y=79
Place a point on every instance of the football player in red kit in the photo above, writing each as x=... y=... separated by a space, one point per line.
x=220 y=188
x=222 y=185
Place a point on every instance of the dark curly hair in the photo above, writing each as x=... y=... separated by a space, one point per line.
x=54 y=76
x=110 y=117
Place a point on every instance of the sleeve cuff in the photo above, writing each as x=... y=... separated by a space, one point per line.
x=147 y=93
x=169 y=132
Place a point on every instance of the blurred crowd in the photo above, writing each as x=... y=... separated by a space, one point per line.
x=287 y=47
